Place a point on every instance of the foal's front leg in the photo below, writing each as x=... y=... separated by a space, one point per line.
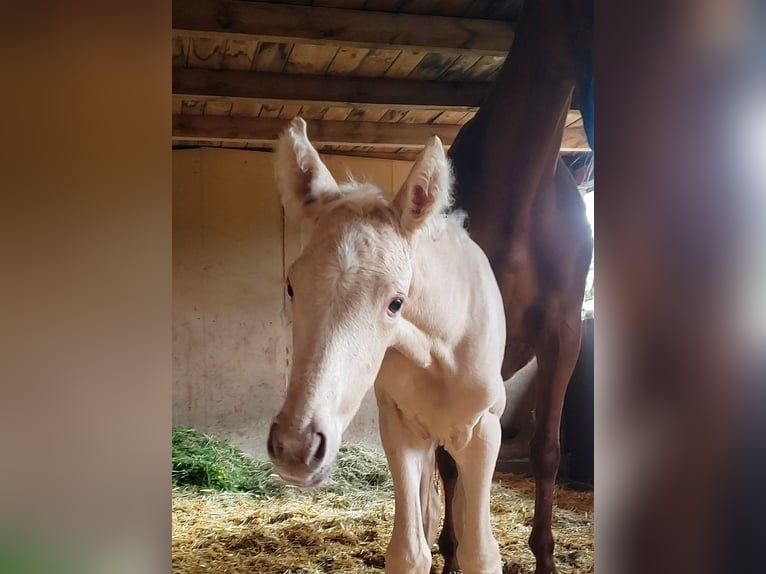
x=408 y=551
x=477 y=549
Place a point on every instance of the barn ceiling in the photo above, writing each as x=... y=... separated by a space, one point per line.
x=373 y=78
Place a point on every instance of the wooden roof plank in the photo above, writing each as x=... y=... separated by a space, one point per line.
x=239 y=54
x=433 y=66
x=180 y=50
x=347 y=60
x=372 y=114
x=270 y=57
x=336 y=26
x=366 y=114
x=377 y=62
x=247 y=108
x=393 y=116
x=270 y=110
x=404 y=64
x=228 y=128
x=450 y=118
x=313 y=112
x=485 y=67
x=289 y=111
x=310 y=58
x=218 y=107
x=327 y=90
x=206 y=53
x=265 y=130
x=192 y=107
x=337 y=113
x=459 y=68
x=420 y=116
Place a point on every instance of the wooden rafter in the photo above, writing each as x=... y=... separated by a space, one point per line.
x=325 y=132
x=325 y=90
x=318 y=25
x=235 y=129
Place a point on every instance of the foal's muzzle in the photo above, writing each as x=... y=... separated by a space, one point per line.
x=302 y=457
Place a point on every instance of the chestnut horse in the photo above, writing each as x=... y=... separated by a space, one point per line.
x=526 y=213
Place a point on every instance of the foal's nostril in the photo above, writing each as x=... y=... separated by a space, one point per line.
x=272 y=445
x=319 y=448
x=319 y=454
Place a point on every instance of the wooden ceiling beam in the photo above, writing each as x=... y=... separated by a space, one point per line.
x=406 y=155
x=234 y=129
x=326 y=90
x=318 y=25
x=321 y=132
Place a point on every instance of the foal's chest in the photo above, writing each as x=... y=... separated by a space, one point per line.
x=434 y=407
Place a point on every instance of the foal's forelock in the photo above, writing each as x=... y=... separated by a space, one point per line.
x=368 y=202
x=362 y=259
x=355 y=231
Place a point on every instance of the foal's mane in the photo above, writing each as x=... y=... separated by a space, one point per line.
x=368 y=200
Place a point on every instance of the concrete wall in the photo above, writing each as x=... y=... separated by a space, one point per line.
x=231 y=325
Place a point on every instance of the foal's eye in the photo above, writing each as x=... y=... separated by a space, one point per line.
x=289 y=290
x=395 y=305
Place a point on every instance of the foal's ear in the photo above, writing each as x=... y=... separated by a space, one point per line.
x=302 y=178
x=428 y=188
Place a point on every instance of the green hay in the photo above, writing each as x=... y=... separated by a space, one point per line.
x=205 y=462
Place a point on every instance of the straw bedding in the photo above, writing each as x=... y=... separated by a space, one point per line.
x=345 y=527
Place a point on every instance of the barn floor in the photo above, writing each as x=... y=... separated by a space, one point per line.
x=319 y=532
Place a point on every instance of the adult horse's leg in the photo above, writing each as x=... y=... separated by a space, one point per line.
x=408 y=551
x=477 y=550
x=556 y=356
x=448 y=536
x=430 y=499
